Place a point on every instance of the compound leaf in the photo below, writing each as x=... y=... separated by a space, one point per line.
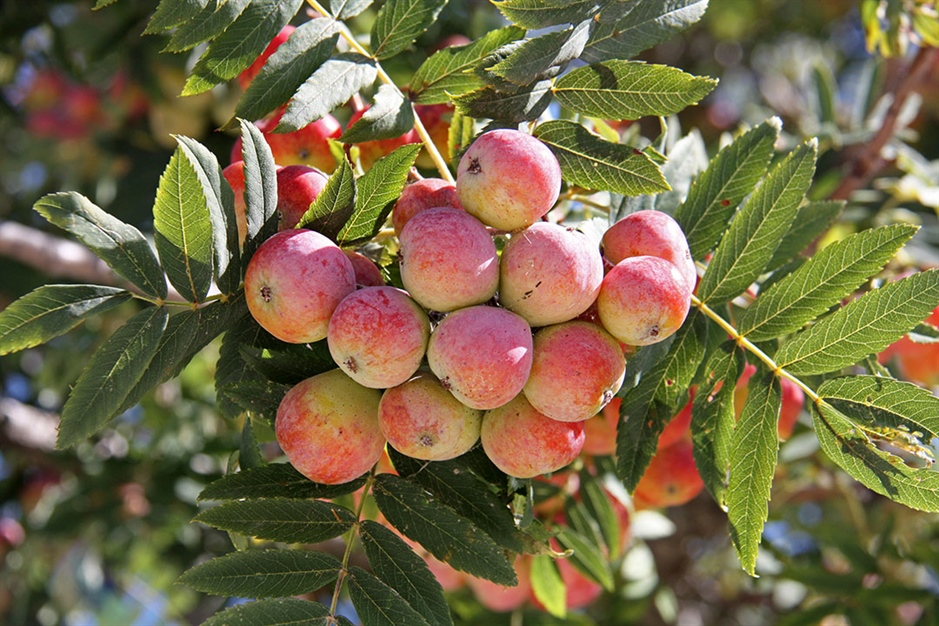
x=209 y=23
x=333 y=206
x=543 y=56
x=170 y=13
x=390 y=115
x=645 y=25
x=332 y=84
x=521 y=104
x=399 y=23
x=288 y=520
x=272 y=612
x=377 y=604
x=535 y=14
x=264 y=573
x=275 y=480
x=260 y=188
x=811 y=222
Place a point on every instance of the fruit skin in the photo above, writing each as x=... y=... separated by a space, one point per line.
x=423 y=194
x=524 y=443
x=297 y=187
x=643 y=300
x=436 y=119
x=367 y=273
x=671 y=479
x=651 y=233
x=508 y=179
x=501 y=599
x=600 y=430
x=378 y=336
x=448 y=260
x=235 y=175
x=422 y=420
x=327 y=425
x=247 y=75
x=482 y=355
x=577 y=368
x=915 y=362
x=679 y=426
x=307 y=146
x=294 y=282
x=549 y=273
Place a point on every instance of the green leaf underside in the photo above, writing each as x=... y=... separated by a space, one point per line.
x=543 y=56
x=877 y=401
x=685 y=355
x=53 y=310
x=752 y=465
x=286 y=520
x=591 y=162
x=264 y=573
x=587 y=557
x=715 y=194
x=333 y=206
x=522 y=104
x=389 y=116
x=378 y=604
x=120 y=245
x=747 y=247
x=208 y=24
x=344 y=9
x=241 y=43
x=260 y=188
x=111 y=372
x=629 y=90
x=272 y=612
x=534 y=14
x=398 y=566
x=547 y=585
x=445 y=534
x=645 y=25
x=332 y=84
x=864 y=326
x=811 y=222
x=276 y=480
x=399 y=23
x=170 y=13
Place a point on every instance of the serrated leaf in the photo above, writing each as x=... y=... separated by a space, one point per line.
x=597 y=504
x=241 y=43
x=289 y=363
x=543 y=56
x=446 y=74
x=399 y=23
x=263 y=573
x=523 y=104
x=752 y=466
x=275 y=480
x=811 y=222
x=629 y=90
x=587 y=557
x=445 y=534
x=111 y=372
x=120 y=245
x=398 y=566
x=548 y=586
x=260 y=188
x=208 y=24
x=183 y=229
x=288 y=520
x=377 y=604
x=459 y=136
x=53 y=310
x=259 y=397
x=332 y=84
x=170 y=13
x=344 y=9
x=272 y=612
x=589 y=161
x=747 y=247
x=647 y=24
x=864 y=326
x=715 y=194
x=333 y=206
x=232 y=368
x=292 y=63
x=822 y=282
x=684 y=357
x=534 y=14
x=375 y=194
x=876 y=401
x=389 y=116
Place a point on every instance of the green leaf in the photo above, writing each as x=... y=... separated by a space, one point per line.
x=715 y=194
x=333 y=206
x=629 y=90
x=389 y=116
x=275 y=480
x=752 y=466
x=862 y=327
x=183 y=229
x=543 y=56
x=208 y=24
x=120 y=245
x=232 y=367
x=825 y=90
x=259 y=397
x=336 y=80
x=344 y=9
x=822 y=282
x=587 y=557
x=170 y=13
x=272 y=612
x=645 y=25
x=308 y=47
x=398 y=566
x=240 y=44
x=875 y=401
x=448 y=536
x=684 y=357
x=264 y=573
x=377 y=604
x=446 y=73
x=376 y=193
x=110 y=374
x=522 y=104
x=534 y=14
x=260 y=188
x=747 y=247
x=288 y=520
x=399 y=23
x=547 y=585
x=589 y=161
x=597 y=504
x=53 y=310
x=811 y=222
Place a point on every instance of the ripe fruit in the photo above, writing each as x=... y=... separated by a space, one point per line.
x=652 y=233
x=246 y=76
x=482 y=355
x=297 y=187
x=508 y=179
x=671 y=479
x=915 y=362
x=501 y=599
x=424 y=421
x=378 y=336
x=294 y=282
x=577 y=368
x=448 y=260
x=549 y=273
x=525 y=443
x=235 y=175
x=327 y=425
x=367 y=273
x=643 y=300
x=423 y=194
x=600 y=430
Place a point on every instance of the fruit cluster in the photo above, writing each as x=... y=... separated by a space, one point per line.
x=515 y=349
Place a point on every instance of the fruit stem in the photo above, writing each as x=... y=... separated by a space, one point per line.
x=435 y=155
x=349 y=543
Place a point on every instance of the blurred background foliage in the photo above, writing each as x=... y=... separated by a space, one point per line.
x=98 y=534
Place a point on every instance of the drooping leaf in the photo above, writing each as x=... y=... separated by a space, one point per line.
x=264 y=573
x=53 y=310
x=875 y=401
x=333 y=206
x=587 y=557
x=111 y=372
x=811 y=222
x=747 y=247
x=170 y=13
x=332 y=84
x=822 y=282
x=548 y=586
x=272 y=612
x=521 y=104
x=260 y=188
x=208 y=24
x=684 y=357
x=120 y=245
x=535 y=14
x=647 y=24
x=399 y=567
x=398 y=24
x=597 y=504
x=344 y=9
x=629 y=90
x=589 y=161
x=389 y=116
x=377 y=604
x=864 y=326
x=288 y=520
x=275 y=480
x=543 y=56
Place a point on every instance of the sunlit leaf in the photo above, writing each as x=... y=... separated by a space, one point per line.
x=389 y=116
x=543 y=56
x=332 y=84
x=209 y=23
x=334 y=204
x=170 y=13
x=536 y=14
x=548 y=586
x=812 y=220
x=260 y=188
x=399 y=23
